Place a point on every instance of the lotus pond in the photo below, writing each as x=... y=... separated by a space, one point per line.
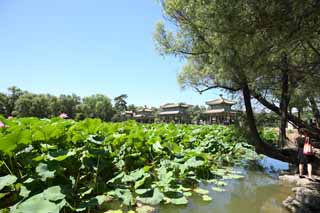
x=90 y=166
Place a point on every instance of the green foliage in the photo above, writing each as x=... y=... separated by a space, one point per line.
x=26 y=104
x=269 y=135
x=66 y=165
x=96 y=106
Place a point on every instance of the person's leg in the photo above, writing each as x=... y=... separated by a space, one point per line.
x=301 y=169
x=310 y=170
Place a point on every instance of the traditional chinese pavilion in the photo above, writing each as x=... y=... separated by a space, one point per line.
x=127 y=115
x=144 y=115
x=176 y=113
x=220 y=111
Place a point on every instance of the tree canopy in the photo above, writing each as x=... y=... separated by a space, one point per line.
x=20 y=103
x=268 y=50
x=228 y=43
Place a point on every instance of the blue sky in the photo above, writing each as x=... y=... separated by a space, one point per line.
x=87 y=47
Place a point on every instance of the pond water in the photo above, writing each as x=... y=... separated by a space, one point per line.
x=259 y=191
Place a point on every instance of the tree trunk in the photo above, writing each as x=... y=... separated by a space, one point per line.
x=284 y=102
x=315 y=110
x=299 y=113
x=260 y=146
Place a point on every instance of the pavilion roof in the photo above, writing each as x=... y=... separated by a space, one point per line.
x=214 y=111
x=220 y=100
x=127 y=112
x=174 y=105
x=145 y=110
x=143 y=116
x=217 y=111
x=175 y=112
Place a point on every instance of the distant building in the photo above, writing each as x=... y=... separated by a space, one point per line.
x=127 y=115
x=220 y=111
x=176 y=113
x=144 y=115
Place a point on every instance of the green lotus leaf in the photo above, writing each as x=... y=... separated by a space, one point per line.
x=3 y=195
x=53 y=193
x=206 y=198
x=193 y=163
x=114 y=211
x=157 y=147
x=142 y=191
x=156 y=198
x=187 y=194
x=24 y=192
x=141 y=182
x=85 y=191
x=119 y=176
x=201 y=191
x=178 y=201
x=29 y=180
x=134 y=175
x=217 y=189
x=165 y=177
x=92 y=202
x=217 y=182
x=9 y=142
x=36 y=205
x=124 y=194
x=43 y=171
x=61 y=155
x=232 y=176
x=144 y=209
x=7 y=181
x=41 y=202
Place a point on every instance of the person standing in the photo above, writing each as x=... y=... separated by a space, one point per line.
x=305 y=153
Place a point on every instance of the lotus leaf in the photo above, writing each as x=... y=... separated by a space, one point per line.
x=217 y=189
x=206 y=198
x=43 y=171
x=156 y=198
x=201 y=191
x=7 y=181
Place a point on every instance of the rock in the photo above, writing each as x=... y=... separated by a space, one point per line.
x=294 y=206
x=304 y=182
x=307 y=194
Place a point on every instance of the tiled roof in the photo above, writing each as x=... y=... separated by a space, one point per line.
x=170 y=112
x=220 y=101
x=216 y=111
x=143 y=116
x=213 y=111
x=127 y=113
x=145 y=110
x=173 y=105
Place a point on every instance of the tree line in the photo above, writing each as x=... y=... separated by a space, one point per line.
x=19 y=103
